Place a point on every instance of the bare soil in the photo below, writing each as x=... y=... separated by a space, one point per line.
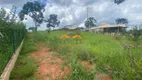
x=50 y=67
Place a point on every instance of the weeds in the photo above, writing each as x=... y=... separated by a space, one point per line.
x=25 y=66
x=26 y=69
x=79 y=72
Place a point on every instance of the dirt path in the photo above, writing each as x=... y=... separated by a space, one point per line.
x=50 y=67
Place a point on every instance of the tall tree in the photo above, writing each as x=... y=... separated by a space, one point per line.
x=52 y=21
x=118 y=1
x=35 y=11
x=90 y=22
x=121 y=21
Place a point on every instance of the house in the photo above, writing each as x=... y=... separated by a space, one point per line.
x=108 y=28
x=80 y=28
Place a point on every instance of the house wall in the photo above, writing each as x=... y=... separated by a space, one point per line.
x=108 y=30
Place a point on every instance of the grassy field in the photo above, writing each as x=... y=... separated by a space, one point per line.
x=106 y=54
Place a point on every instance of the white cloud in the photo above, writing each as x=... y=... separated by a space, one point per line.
x=104 y=11
x=29 y=22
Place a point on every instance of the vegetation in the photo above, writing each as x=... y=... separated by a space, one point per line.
x=135 y=33
x=90 y=22
x=119 y=57
x=52 y=21
x=35 y=11
x=10 y=40
x=106 y=55
x=11 y=35
x=118 y=1
x=25 y=65
x=111 y=58
x=121 y=21
x=2 y=13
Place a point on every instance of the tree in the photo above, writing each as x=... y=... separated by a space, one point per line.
x=35 y=11
x=121 y=21
x=10 y=18
x=118 y=1
x=90 y=22
x=12 y=15
x=2 y=13
x=52 y=21
x=2 y=16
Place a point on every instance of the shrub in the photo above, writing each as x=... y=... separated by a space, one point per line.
x=53 y=43
x=117 y=36
x=136 y=33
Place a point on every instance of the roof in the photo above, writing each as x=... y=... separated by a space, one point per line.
x=70 y=27
x=105 y=25
x=67 y=26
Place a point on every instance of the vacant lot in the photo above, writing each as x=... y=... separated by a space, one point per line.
x=96 y=56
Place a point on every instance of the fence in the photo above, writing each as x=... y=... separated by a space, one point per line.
x=10 y=39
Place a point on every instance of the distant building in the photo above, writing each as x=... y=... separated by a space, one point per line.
x=72 y=27
x=31 y=28
x=80 y=28
x=108 y=28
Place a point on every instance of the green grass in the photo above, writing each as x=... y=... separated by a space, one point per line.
x=105 y=52
x=25 y=66
x=79 y=72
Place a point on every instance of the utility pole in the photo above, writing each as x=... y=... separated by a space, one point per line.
x=87 y=15
x=87 y=12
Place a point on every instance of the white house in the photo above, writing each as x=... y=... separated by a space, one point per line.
x=108 y=28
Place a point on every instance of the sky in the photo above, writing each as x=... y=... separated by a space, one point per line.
x=74 y=12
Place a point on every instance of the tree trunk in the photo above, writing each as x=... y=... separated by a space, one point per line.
x=49 y=29
x=35 y=29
